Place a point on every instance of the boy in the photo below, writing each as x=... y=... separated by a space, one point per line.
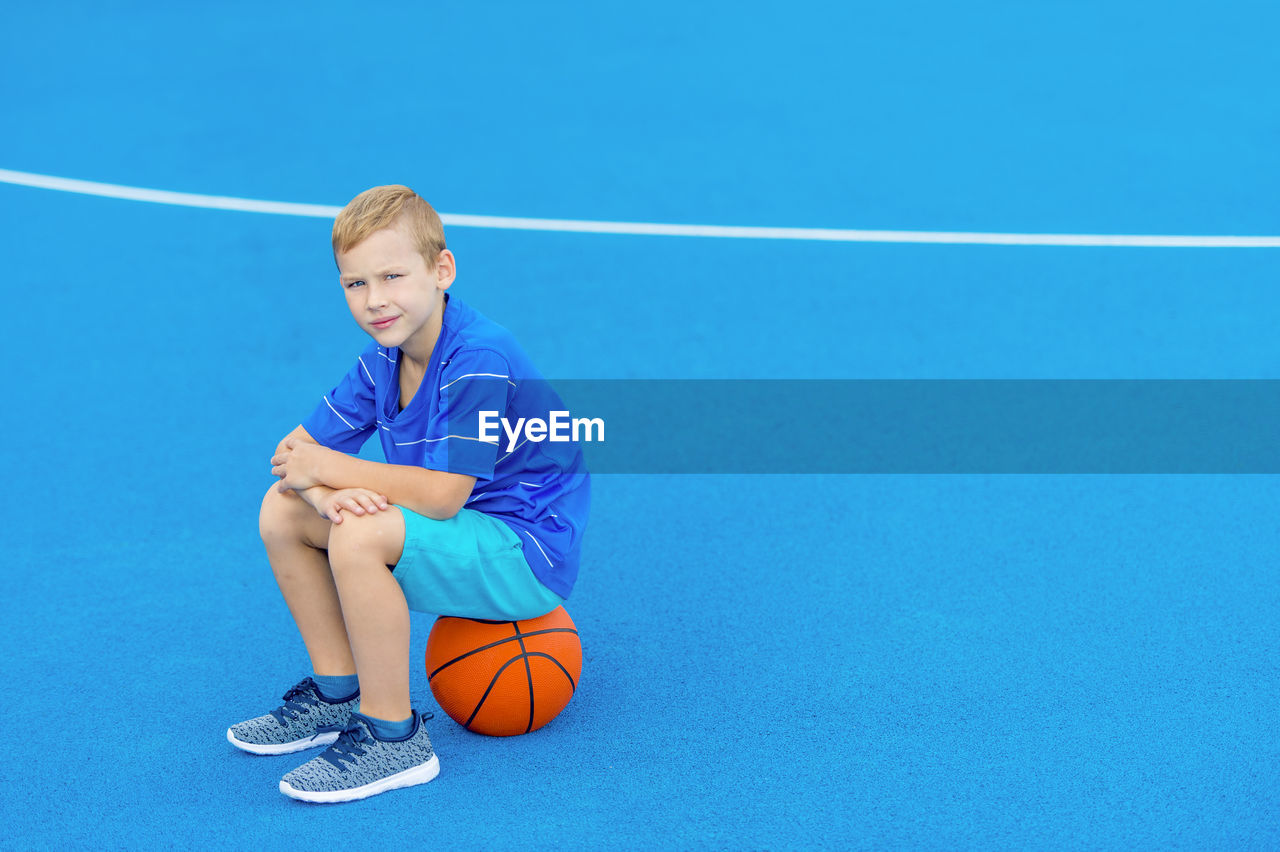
x=452 y=524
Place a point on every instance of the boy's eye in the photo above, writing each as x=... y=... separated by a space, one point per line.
x=354 y=284
x=393 y=275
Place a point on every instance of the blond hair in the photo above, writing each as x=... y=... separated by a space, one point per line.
x=386 y=206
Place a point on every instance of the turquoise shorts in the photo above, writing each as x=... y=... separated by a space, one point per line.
x=471 y=565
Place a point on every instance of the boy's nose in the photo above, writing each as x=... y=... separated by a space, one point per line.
x=375 y=298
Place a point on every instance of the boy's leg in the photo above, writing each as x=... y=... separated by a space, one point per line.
x=374 y=608
x=296 y=537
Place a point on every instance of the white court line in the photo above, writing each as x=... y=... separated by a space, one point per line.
x=325 y=211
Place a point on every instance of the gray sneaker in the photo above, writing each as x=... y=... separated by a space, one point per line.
x=360 y=765
x=306 y=719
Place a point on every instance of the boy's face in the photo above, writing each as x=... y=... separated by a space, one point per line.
x=392 y=293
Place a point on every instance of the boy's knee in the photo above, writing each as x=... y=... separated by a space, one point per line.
x=281 y=516
x=363 y=538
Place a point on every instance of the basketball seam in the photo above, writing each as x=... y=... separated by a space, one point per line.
x=524 y=652
x=500 y=642
x=492 y=683
x=573 y=687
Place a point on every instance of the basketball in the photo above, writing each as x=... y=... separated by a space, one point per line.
x=504 y=678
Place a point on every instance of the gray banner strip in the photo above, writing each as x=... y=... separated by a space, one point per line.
x=872 y=426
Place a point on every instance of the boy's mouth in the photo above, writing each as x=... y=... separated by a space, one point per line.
x=383 y=323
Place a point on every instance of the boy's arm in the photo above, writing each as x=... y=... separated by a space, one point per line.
x=315 y=493
x=303 y=465
x=299 y=433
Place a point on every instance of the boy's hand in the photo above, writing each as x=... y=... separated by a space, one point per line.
x=312 y=496
x=298 y=464
x=357 y=501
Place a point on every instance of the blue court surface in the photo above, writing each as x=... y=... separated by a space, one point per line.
x=770 y=662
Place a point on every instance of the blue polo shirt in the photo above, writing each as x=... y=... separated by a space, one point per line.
x=541 y=489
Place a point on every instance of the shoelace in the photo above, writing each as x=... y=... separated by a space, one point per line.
x=351 y=740
x=297 y=701
x=348 y=746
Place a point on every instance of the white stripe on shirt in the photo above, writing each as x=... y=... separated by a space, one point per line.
x=445 y=438
x=366 y=371
x=335 y=411
x=543 y=552
x=469 y=375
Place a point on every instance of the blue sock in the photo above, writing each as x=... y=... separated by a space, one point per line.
x=336 y=687
x=384 y=730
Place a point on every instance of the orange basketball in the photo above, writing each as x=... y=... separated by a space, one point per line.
x=504 y=677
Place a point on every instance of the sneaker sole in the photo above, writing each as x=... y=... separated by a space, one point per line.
x=282 y=748
x=420 y=774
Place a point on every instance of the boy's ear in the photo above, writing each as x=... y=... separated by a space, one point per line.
x=446 y=269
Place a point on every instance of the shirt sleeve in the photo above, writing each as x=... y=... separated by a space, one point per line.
x=473 y=383
x=347 y=415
